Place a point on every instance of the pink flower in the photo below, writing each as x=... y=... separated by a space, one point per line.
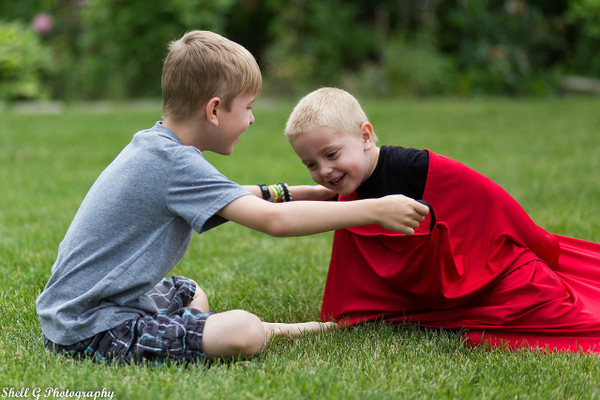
x=43 y=23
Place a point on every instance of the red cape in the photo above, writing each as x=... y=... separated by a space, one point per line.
x=485 y=266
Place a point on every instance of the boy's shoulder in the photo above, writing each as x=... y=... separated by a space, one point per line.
x=396 y=156
x=159 y=142
x=166 y=155
x=399 y=170
x=156 y=156
x=158 y=133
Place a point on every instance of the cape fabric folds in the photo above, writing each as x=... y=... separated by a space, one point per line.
x=483 y=265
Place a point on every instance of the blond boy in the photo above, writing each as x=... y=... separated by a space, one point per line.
x=108 y=297
x=483 y=264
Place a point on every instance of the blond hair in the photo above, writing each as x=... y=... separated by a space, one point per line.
x=202 y=65
x=326 y=108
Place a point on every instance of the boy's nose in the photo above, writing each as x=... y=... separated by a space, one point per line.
x=325 y=170
x=251 y=118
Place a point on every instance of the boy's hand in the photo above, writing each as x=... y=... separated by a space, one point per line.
x=401 y=213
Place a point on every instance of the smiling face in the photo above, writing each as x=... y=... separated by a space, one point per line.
x=338 y=161
x=231 y=124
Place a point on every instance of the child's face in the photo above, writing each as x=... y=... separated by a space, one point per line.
x=338 y=161
x=234 y=122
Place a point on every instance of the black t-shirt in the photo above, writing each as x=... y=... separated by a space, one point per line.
x=399 y=171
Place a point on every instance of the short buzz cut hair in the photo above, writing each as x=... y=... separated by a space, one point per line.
x=202 y=65
x=326 y=108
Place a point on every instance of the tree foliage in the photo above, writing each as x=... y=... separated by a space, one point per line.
x=124 y=42
x=115 y=48
x=24 y=63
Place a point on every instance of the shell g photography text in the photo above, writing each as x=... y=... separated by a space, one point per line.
x=54 y=393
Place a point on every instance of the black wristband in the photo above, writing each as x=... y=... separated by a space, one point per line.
x=286 y=192
x=265 y=191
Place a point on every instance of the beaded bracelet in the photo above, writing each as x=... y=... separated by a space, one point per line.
x=287 y=196
x=277 y=193
x=281 y=192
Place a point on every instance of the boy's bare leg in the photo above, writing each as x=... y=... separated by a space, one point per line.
x=289 y=330
x=233 y=333
x=241 y=333
x=200 y=300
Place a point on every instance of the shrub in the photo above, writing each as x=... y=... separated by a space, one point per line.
x=504 y=47
x=315 y=42
x=417 y=68
x=123 y=43
x=24 y=63
x=585 y=14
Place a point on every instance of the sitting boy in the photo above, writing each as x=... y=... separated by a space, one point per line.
x=107 y=297
x=482 y=265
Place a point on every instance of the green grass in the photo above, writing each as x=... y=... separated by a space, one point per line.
x=545 y=152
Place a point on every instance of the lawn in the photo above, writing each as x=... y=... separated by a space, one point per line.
x=545 y=152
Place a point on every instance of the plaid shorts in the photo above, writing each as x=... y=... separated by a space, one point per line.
x=172 y=335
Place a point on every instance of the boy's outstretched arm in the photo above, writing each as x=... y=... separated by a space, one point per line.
x=298 y=218
x=301 y=192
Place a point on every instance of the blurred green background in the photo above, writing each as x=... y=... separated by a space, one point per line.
x=113 y=49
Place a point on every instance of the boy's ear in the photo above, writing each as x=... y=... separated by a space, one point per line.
x=211 y=110
x=367 y=136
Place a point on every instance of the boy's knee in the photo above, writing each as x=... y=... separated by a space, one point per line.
x=233 y=333
x=251 y=338
x=200 y=300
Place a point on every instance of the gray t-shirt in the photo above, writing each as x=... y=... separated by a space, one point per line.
x=132 y=227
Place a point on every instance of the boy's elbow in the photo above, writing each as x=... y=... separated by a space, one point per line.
x=258 y=215
x=277 y=224
x=276 y=227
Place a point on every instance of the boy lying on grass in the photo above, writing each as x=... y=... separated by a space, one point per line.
x=108 y=298
x=480 y=263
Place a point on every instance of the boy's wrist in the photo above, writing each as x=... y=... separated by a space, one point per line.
x=276 y=193
x=264 y=189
